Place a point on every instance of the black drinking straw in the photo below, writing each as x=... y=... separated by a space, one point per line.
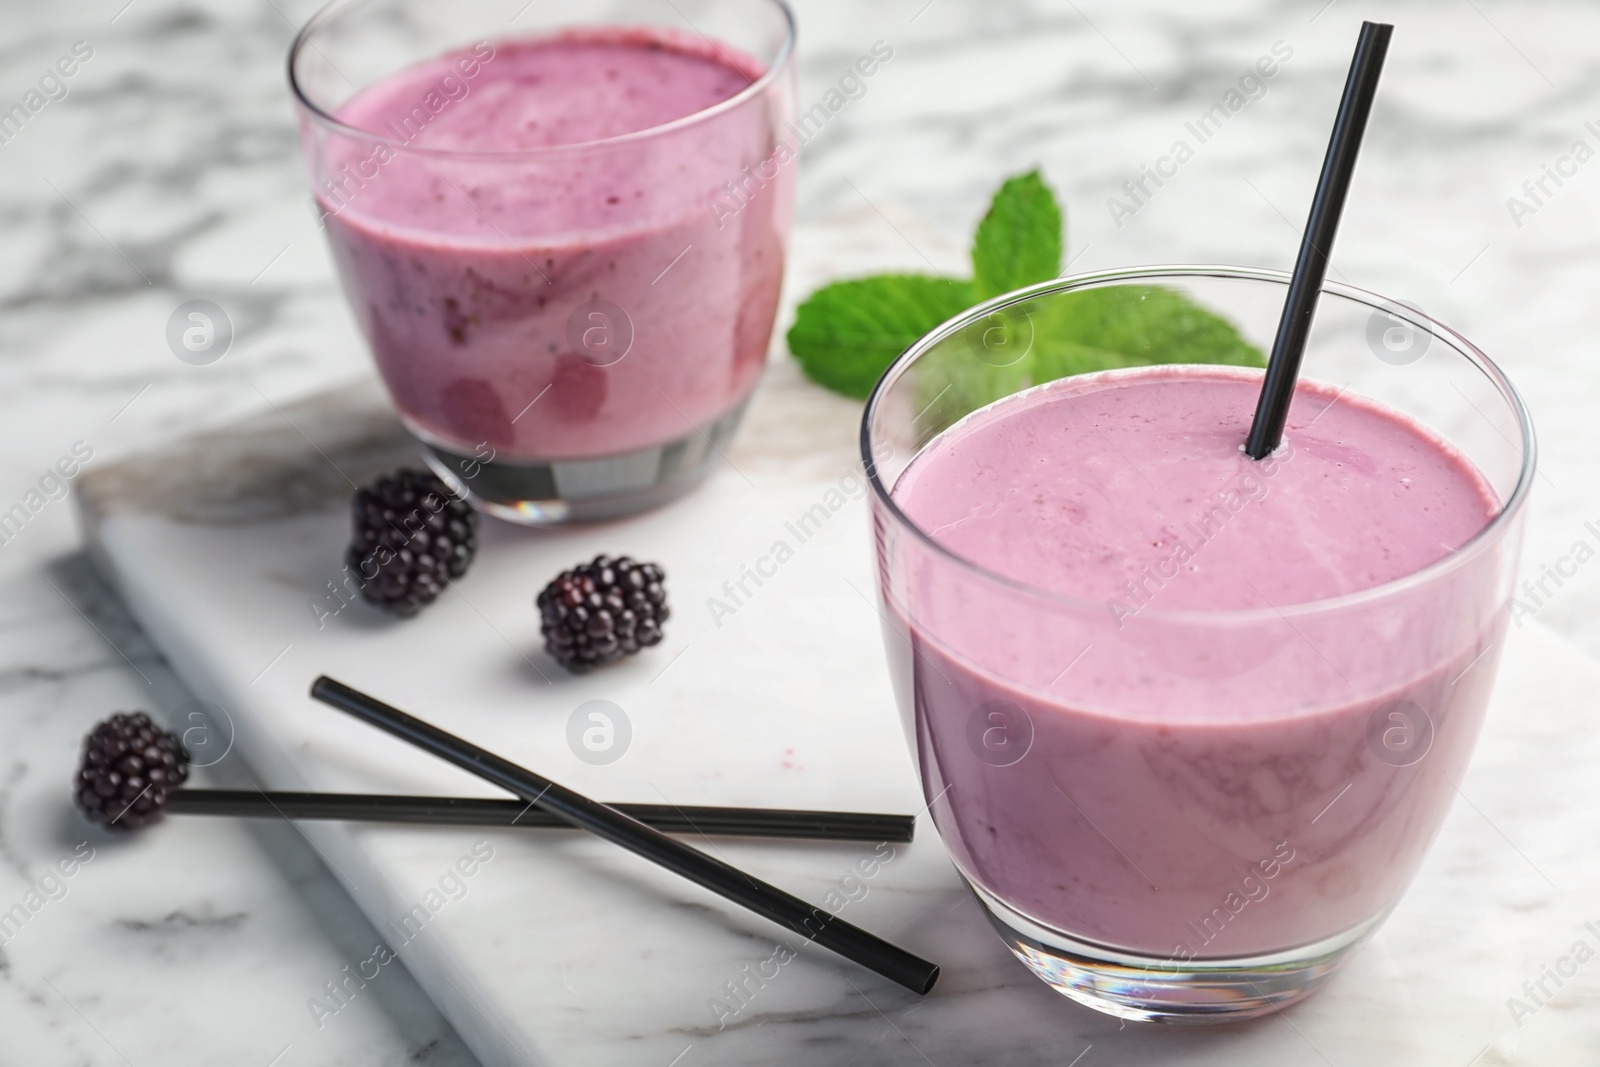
x=483 y=811
x=812 y=923
x=1311 y=268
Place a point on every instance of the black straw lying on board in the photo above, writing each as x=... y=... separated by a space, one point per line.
x=1311 y=267
x=480 y=811
x=727 y=881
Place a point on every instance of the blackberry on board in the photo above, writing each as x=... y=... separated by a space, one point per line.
x=602 y=610
x=129 y=767
x=411 y=536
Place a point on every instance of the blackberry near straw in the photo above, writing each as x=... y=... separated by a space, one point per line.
x=131 y=769
x=602 y=610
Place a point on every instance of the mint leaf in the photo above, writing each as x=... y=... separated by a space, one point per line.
x=987 y=359
x=847 y=333
x=1053 y=337
x=1130 y=326
x=1019 y=241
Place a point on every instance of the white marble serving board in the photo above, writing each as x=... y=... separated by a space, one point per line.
x=563 y=950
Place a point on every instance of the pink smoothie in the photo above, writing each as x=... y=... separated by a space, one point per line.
x=1194 y=787
x=507 y=236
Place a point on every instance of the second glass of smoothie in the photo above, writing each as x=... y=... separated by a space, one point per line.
x=1186 y=721
x=562 y=231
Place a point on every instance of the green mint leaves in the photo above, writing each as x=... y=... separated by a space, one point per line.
x=1018 y=242
x=845 y=334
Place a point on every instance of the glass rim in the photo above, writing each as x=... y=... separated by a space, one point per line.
x=331 y=10
x=1471 y=549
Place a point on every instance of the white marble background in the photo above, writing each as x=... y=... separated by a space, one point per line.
x=169 y=171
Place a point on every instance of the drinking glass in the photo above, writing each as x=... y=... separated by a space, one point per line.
x=1143 y=859
x=572 y=332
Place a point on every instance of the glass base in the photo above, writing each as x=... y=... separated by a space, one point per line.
x=1149 y=989
x=563 y=491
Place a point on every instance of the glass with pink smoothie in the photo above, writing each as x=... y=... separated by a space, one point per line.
x=562 y=231
x=1188 y=722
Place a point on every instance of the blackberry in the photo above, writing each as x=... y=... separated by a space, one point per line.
x=129 y=767
x=600 y=611
x=411 y=536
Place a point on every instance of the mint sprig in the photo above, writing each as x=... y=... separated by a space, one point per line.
x=846 y=333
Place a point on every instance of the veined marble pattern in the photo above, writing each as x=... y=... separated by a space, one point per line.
x=169 y=171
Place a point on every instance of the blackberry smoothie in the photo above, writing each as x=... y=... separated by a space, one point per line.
x=535 y=236
x=1176 y=757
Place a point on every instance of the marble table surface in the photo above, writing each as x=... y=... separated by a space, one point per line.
x=169 y=171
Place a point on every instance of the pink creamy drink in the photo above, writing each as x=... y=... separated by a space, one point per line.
x=1178 y=760
x=537 y=279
